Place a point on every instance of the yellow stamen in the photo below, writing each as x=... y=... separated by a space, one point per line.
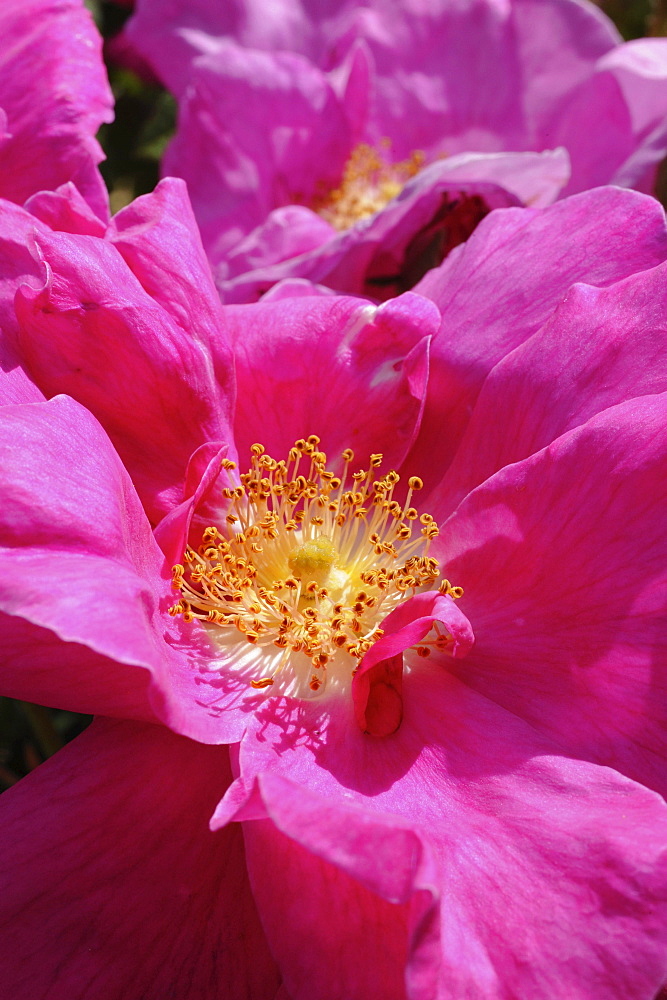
x=369 y=182
x=303 y=564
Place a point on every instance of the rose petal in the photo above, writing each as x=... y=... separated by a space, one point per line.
x=562 y=558
x=381 y=255
x=631 y=79
x=55 y=94
x=79 y=558
x=377 y=684
x=340 y=924
x=549 y=873
x=65 y=210
x=599 y=348
x=94 y=332
x=290 y=144
x=485 y=315
x=305 y=361
x=112 y=884
x=17 y=266
x=173 y=531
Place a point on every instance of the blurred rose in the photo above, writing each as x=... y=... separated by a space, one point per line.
x=356 y=145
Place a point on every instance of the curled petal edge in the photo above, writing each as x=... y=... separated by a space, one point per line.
x=378 y=682
x=202 y=474
x=383 y=853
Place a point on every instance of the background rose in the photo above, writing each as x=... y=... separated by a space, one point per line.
x=474 y=79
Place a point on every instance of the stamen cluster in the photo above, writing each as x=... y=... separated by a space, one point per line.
x=306 y=563
x=369 y=182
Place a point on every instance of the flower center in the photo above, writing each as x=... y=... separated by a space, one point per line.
x=294 y=583
x=369 y=182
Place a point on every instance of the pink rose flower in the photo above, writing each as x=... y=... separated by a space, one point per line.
x=413 y=793
x=354 y=146
x=54 y=95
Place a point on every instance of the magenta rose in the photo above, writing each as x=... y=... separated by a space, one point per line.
x=355 y=146
x=393 y=725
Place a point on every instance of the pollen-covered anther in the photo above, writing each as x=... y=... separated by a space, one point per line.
x=369 y=182
x=303 y=567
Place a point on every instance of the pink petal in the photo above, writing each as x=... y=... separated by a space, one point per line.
x=17 y=266
x=173 y=531
x=65 y=210
x=298 y=288
x=498 y=289
x=640 y=66
x=287 y=232
x=353 y=945
x=432 y=62
x=68 y=513
x=94 y=332
x=55 y=94
x=549 y=873
x=172 y=36
x=445 y=78
x=330 y=914
x=558 y=46
x=596 y=154
x=38 y=666
x=392 y=67
x=637 y=74
x=599 y=348
x=381 y=256
x=158 y=239
x=79 y=558
x=536 y=179
x=290 y=144
x=562 y=558
x=112 y=884
x=479 y=75
x=305 y=361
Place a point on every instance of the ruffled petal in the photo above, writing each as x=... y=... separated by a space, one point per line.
x=17 y=266
x=92 y=330
x=600 y=347
x=520 y=873
x=306 y=361
x=85 y=590
x=158 y=239
x=327 y=921
x=82 y=560
x=629 y=88
x=289 y=146
x=65 y=210
x=379 y=256
x=378 y=681
x=536 y=179
x=428 y=75
x=506 y=281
